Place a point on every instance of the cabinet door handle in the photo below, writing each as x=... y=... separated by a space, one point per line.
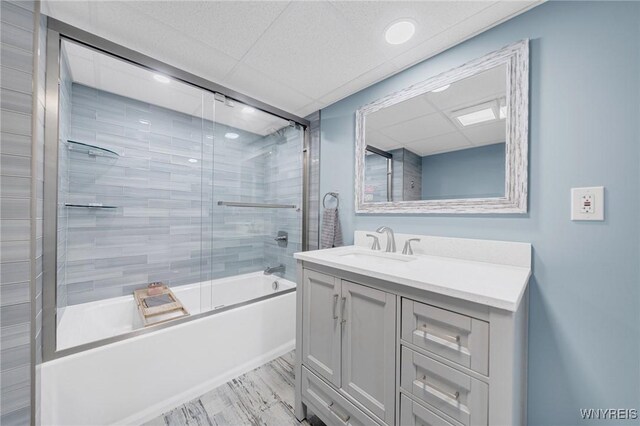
x=426 y=331
x=423 y=383
x=335 y=306
x=344 y=419
x=344 y=302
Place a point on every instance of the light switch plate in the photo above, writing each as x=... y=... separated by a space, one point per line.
x=587 y=203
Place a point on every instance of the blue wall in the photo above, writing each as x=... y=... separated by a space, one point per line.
x=584 y=348
x=467 y=173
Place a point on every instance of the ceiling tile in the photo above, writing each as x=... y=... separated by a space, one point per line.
x=400 y=112
x=430 y=17
x=245 y=78
x=486 y=134
x=419 y=128
x=313 y=48
x=231 y=27
x=465 y=29
x=444 y=143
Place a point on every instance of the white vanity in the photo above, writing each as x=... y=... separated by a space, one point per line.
x=438 y=337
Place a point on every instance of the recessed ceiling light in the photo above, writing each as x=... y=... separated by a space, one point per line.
x=193 y=160
x=476 y=117
x=441 y=89
x=399 y=32
x=143 y=121
x=161 y=78
x=231 y=135
x=248 y=109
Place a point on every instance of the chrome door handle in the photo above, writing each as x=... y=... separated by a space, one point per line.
x=344 y=302
x=344 y=419
x=424 y=384
x=425 y=330
x=335 y=306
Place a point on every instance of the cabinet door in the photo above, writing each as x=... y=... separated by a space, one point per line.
x=368 y=348
x=321 y=325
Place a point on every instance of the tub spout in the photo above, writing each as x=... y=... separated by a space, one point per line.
x=274 y=269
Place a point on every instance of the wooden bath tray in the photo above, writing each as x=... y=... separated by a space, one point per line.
x=160 y=307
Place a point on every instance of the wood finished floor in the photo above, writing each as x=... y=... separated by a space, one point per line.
x=264 y=396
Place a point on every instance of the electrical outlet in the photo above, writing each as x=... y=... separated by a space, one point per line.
x=587 y=203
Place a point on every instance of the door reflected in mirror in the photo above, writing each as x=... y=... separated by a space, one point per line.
x=447 y=143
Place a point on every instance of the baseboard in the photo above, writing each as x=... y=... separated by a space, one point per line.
x=186 y=396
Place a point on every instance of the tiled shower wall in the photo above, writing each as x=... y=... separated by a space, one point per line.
x=406 y=179
x=21 y=150
x=314 y=198
x=167 y=225
x=64 y=129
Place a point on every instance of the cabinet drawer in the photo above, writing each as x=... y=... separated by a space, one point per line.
x=454 y=393
x=459 y=338
x=414 y=414
x=329 y=405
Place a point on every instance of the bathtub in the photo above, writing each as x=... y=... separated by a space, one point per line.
x=138 y=378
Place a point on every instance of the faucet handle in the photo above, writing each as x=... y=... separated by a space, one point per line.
x=376 y=242
x=407 y=246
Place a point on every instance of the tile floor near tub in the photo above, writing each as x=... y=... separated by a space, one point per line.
x=263 y=396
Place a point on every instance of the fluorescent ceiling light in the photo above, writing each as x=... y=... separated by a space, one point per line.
x=193 y=160
x=476 y=117
x=441 y=89
x=161 y=78
x=399 y=32
x=143 y=121
x=248 y=109
x=231 y=135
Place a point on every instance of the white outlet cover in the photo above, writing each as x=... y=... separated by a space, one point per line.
x=587 y=203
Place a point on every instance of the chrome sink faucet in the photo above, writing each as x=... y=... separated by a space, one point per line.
x=391 y=239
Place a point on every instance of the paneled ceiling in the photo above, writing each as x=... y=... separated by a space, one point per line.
x=427 y=124
x=298 y=56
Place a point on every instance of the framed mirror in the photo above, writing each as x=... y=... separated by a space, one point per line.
x=455 y=143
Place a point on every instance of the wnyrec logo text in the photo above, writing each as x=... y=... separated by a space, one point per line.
x=609 y=413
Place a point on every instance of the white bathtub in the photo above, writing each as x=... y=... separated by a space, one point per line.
x=136 y=379
x=88 y=322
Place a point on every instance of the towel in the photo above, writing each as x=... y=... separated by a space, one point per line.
x=331 y=232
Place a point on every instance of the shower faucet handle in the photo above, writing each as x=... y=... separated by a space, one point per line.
x=376 y=242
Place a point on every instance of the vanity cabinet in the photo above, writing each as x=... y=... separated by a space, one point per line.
x=349 y=342
x=373 y=351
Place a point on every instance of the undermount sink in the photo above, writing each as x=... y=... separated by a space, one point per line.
x=360 y=254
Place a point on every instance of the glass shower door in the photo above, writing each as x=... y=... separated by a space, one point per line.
x=257 y=203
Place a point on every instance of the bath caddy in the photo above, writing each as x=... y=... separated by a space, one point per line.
x=161 y=306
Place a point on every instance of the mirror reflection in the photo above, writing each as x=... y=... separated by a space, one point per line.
x=448 y=143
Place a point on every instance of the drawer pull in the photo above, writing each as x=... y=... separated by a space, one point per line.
x=335 y=306
x=426 y=331
x=424 y=385
x=344 y=420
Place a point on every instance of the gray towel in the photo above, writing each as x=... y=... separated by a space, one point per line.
x=331 y=232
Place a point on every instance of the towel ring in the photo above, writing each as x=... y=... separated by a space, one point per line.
x=332 y=194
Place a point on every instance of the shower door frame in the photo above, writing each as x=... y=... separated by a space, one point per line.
x=56 y=32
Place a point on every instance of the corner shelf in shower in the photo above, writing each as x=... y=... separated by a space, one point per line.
x=91 y=206
x=92 y=150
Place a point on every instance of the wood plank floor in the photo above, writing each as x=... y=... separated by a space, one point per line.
x=264 y=396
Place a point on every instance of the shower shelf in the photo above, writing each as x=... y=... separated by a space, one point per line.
x=92 y=150
x=91 y=206
x=260 y=205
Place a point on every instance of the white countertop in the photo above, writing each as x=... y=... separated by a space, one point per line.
x=495 y=285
